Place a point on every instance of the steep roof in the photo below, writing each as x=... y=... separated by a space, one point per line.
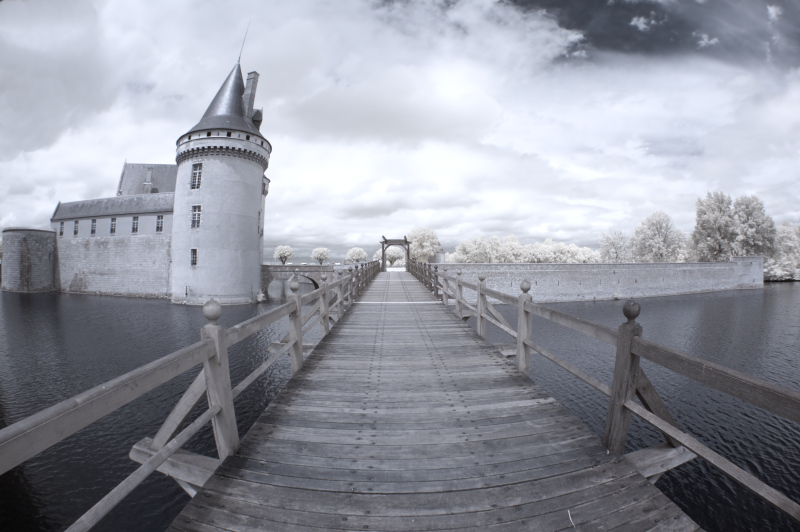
x=143 y=178
x=116 y=206
x=227 y=108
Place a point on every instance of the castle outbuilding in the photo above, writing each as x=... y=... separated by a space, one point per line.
x=189 y=231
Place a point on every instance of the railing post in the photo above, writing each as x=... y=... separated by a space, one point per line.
x=481 y=306
x=324 y=311
x=340 y=295
x=459 y=294
x=435 y=279
x=445 y=286
x=428 y=276
x=523 y=321
x=296 y=321
x=350 y=288
x=624 y=385
x=218 y=383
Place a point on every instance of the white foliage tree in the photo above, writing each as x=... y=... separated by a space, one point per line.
x=614 y=247
x=283 y=253
x=784 y=263
x=657 y=240
x=355 y=255
x=754 y=229
x=395 y=255
x=509 y=250
x=715 y=228
x=320 y=255
x=424 y=243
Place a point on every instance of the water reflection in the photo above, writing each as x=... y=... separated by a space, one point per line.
x=53 y=346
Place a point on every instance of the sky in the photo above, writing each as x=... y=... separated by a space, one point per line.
x=556 y=119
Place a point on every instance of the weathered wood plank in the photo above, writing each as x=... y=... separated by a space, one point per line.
x=403 y=419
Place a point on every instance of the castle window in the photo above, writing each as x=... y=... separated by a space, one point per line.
x=75 y=231
x=229 y=133
x=195 y=216
x=208 y=134
x=248 y=137
x=61 y=229
x=159 y=223
x=194 y=257
x=113 y=229
x=197 y=173
x=190 y=137
x=135 y=225
x=94 y=226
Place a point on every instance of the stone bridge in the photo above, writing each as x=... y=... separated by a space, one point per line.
x=312 y=272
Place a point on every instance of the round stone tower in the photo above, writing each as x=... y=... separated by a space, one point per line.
x=29 y=258
x=217 y=230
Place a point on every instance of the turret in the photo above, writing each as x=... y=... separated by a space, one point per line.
x=217 y=234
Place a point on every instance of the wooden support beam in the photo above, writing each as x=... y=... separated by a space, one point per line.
x=192 y=468
x=654 y=461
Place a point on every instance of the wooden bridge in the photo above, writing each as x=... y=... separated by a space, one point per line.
x=404 y=418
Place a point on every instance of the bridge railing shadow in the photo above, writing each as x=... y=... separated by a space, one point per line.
x=326 y=305
x=629 y=380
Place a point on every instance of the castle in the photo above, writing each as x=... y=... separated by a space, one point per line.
x=189 y=231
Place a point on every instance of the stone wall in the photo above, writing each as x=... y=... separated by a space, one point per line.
x=582 y=282
x=123 y=264
x=29 y=257
x=275 y=272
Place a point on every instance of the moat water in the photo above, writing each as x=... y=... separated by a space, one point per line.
x=53 y=346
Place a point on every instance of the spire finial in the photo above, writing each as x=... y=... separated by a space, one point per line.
x=243 y=40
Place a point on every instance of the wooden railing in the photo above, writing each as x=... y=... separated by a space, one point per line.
x=34 y=434
x=629 y=378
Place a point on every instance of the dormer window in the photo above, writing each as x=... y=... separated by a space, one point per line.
x=229 y=133
x=247 y=138
x=197 y=174
x=208 y=134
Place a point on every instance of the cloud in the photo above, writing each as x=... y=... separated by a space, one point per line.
x=474 y=117
x=774 y=12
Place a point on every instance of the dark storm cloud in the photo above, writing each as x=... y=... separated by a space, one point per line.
x=733 y=30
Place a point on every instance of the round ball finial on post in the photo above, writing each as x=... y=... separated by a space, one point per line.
x=481 y=277
x=212 y=311
x=294 y=286
x=458 y=272
x=631 y=310
x=324 y=277
x=525 y=286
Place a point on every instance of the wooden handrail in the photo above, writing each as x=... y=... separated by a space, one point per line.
x=34 y=434
x=771 y=397
x=630 y=378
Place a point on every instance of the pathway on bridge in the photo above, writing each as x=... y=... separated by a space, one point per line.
x=404 y=419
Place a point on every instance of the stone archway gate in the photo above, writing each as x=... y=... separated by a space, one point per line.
x=386 y=243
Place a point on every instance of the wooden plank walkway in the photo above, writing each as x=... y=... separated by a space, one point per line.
x=404 y=419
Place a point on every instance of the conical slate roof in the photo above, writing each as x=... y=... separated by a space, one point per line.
x=227 y=109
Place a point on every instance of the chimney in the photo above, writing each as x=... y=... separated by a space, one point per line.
x=249 y=96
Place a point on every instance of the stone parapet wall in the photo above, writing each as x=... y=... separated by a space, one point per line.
x=127 y=265
x=29 y=258
x=582 y=282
